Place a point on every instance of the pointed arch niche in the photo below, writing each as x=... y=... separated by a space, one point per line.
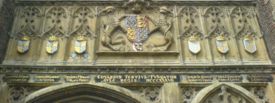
x=225 y=93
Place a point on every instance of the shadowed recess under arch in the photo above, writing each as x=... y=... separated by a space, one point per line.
x=81 y=93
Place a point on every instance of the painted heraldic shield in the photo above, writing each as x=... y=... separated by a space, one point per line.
x=137 y=28
x=23 y=44
x=52 y=45
x=222 y=44
x=194 y=45
x=249 y=44
x=80 y=45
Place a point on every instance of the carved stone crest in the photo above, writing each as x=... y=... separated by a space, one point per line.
x=222 y=44
x=194 y=44
x=80 y=45
x=23 y=44
x=249 y=44
x=52 y=45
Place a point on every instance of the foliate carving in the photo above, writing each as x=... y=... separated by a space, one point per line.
x=225 y=95
x=136 y=5
x=137 y=28
x=18 y=94
x=188 y=93
x=259 y=92
x=151 y=94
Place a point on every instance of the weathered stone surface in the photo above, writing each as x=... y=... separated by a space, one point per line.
x=147 y=51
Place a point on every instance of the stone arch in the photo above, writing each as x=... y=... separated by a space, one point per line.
x=84 y=93
x=240 y=91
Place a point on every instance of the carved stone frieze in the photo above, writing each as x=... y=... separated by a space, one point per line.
x=104 y=34
x=143 y=46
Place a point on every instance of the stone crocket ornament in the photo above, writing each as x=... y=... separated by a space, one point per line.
x=80 y=45
x=52 y=45
x=194 y=44
x=249 y=44
x=23 y=44
x=222 y=44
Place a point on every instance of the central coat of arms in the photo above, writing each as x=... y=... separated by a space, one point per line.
x=23 y=44
x=222 y=44
x=52 y=45
x=137 y=29
x=80 y=45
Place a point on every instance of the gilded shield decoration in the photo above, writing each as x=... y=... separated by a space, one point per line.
x=249 y=44
x=23 y=44
x=194 y=45
x=137 y=28
x=80 y=45
x=222 y=44
x=52 y=45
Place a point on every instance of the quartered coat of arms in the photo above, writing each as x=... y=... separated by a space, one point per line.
x=222 y=44
x=137 y=30
x=80 y=45
x=52 y=45
x=249 y=44
x=194 y=45
x=23 y=44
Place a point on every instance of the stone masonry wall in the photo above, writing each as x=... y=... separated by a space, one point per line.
x=6 y=18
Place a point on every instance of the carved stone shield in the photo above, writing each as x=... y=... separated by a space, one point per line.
x=249 y=44
x=222 y=44
x=194 y=45
x=23 y=44
x=137 y=28
x=52 y=45
x=80 y=45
